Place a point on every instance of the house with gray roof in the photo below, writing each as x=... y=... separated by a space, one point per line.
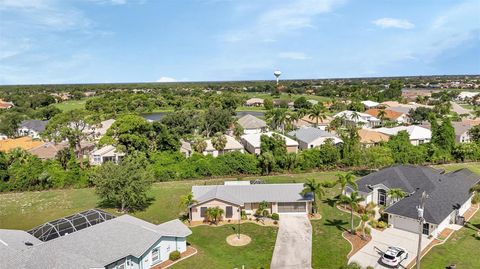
x=252 y=124
x=311 y=137
x=448 y=199
x=235 y=198
x=120 y=242
x=32 y=128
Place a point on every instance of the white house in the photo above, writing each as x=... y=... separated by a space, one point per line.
x=418 y=135
x=463 y=96
x=392 y=115
x=105 y=241
x=310 y=137
x=370 y=104
x=252 y=142
x=358 y=118
x=448 y=195
x=106 y=154
x=99 y=130
x=252 y=124
x=254 y=102
x=32 y=128
x=232 y=145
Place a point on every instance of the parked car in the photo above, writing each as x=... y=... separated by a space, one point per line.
x=394 y=256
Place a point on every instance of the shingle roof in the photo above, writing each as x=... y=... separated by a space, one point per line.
x=35 y=125
x=414 y=131
x=368 y=136
x=240 y=194
x=232 y=144
x=251 y=122
x=98 y=245
x=310 y=134
x=446 y=191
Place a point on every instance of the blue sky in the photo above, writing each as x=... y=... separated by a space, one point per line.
x=87 y=41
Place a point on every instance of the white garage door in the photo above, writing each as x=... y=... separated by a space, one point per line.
x=403 y=223
x=294 y=207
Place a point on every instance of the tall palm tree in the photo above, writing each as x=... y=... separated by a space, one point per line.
x=353 y=201
x=277 y=118
x=199 y=144
x=317 y=112
x=315 y=188
x=347 y=179
x=219 y=141
x=363 y=222
x=187 y=200
x=355 y=116
x=382 y=114
x=396 y=194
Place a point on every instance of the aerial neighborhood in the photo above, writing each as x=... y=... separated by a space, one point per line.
x=214 y=134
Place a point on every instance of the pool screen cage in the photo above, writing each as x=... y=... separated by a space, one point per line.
x=70 y=224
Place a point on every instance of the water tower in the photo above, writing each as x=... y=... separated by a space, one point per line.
x=277 y=74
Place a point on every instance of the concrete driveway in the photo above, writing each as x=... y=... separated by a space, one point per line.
x=370 y=254
x=293 y=248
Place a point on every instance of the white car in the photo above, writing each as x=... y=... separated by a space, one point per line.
x=394 y=256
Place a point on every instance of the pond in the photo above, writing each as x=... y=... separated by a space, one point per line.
x=156 y=116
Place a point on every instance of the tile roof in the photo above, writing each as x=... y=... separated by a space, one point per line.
x=232 y=144
x=251 y=122
x=367 y=136
x=25 y=143
x=389 y=114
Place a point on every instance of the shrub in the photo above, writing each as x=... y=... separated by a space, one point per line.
x=381 y=224
x=368 y=230
x=476 y=198
x=243 y=215
x=174 y=255
x=275 y=216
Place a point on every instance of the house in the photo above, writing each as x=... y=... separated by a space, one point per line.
x=25 y=143
x=252 y=142
x=370 y=138
x=448 y=195
x=6 y=105
x=49 y=150
x=461 y=130
x=357 y=118
x=93 y=239
x=235 y=198
x=252 y=124
x=307 y=121
x=310 y=137
x=391 y=115
x=254 y=102
x=106 y=154
x=370 y=104
x=473 y=122
x=99 y=130
x=32 y=128
x=231 y=145
x=464 y=96
x=418 y=135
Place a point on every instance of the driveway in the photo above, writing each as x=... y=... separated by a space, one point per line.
x=370 y=254
x=293 y=248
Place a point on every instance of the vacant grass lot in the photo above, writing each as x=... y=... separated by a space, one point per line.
x=71 y=105
x=29 y=209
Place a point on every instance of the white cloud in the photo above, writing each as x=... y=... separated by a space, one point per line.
x=293 y=55
x=393 y=23
x=166 y=79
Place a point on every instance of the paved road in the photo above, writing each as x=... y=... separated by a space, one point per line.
x=293 y=248
x=370 y=254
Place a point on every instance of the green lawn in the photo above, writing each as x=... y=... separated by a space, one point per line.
x=71 y=105
x=462 y=249
x=286 y=96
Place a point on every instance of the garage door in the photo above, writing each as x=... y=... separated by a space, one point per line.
x=403 y=223
x=295 y=207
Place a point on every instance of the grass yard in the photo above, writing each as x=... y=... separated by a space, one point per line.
x=462 y=249
x=286 y=96
x=71 y=105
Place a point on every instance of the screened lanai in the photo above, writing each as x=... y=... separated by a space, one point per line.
x=70 y=224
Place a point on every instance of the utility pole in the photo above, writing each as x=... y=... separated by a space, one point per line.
x=421 y=220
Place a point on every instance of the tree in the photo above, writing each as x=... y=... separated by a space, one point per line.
x=301 y=102
x=400 y=144
x=353 y=201
x=346 y=179
x=72 y=126
x=474 y=133
x=363 y=223
x=317 y=112
x=315 y=188
x=199 y=144
x=237 y=130
x=268 y=103
x=214 y=214
x=187 y=200
x=394 y=91
x=378 y=156
x=277 y=118
x=125 y=185
x=216 y=120
x=382 y=114
x=132 y=133
x=219 y=141
x=396 y=194
x=10 y=121
x=351 y=148
x=164 y=139
x=444 y=137
x=267 y=162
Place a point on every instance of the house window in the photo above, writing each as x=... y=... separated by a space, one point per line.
x=202 y=211
x=382 y=197
x=421 y=141
x=229 y=212
x=155 y=254
x=426 y=229
x=96 y=159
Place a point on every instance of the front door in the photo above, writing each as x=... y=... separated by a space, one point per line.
x=382 y=197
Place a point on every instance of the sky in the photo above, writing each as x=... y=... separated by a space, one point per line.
x=109 y=41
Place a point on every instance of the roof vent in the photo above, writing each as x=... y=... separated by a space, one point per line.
x=27 y=243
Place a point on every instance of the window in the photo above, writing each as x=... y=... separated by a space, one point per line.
x=202 y=211
x=426 y=230
x=155 y=254
x=382 y=197
x=229 y=212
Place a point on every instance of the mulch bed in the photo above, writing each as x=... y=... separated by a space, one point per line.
x=356 y=241
x=189 y=252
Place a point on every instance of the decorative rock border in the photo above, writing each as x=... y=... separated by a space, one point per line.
x=234 y=241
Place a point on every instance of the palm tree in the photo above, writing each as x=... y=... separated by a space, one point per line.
x=363 y=222
x=214 y=214
x=396 y=194
x=355 y=116
x=219 y=141
x=315 y=188
x=353 y=201
x=199 y=144
x=277 y=118
x=347 y=179
x=382 y=114
x=187 y=200
x=317 y=112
